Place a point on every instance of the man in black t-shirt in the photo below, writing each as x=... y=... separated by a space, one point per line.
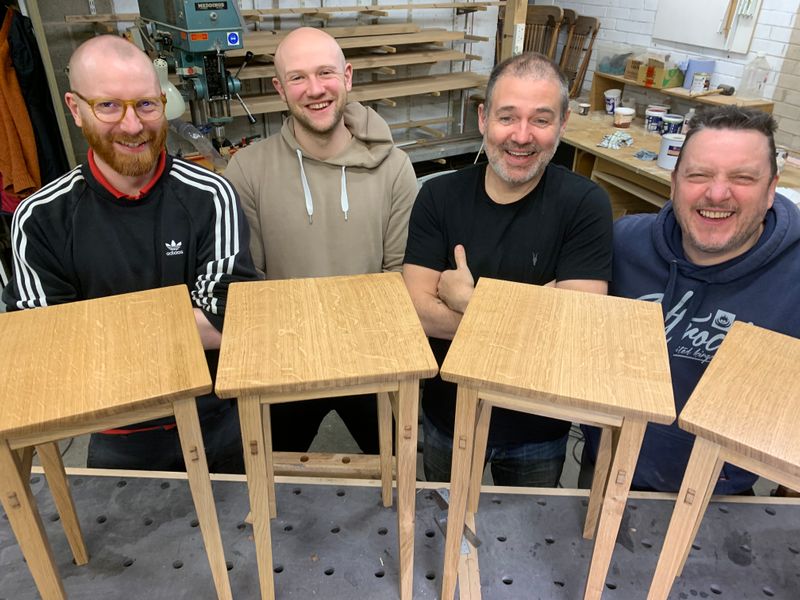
x=519 y=218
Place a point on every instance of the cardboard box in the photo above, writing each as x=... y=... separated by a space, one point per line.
x=632 y=68
x=658 y=76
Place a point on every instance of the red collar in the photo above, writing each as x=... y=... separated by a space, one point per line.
x=162 y=161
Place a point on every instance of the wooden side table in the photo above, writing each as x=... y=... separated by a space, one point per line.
x=575 y=356
x=315 y=338
x=745 y=411
x=88 y=366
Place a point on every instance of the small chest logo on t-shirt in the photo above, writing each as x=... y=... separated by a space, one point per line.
x=174 y=248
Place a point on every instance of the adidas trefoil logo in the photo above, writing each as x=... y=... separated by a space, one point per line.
x=174 y=248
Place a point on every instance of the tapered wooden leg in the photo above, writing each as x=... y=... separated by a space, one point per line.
x=406 y=439
x=25 y=460
x=50 y=457
x=709 y=491
x=385 y=442
x=255 y=464
x=619 y=484
x=703 y=467
x=269 y=459
x=600 y=479
x=27 y=525
x=194 y=456
x=469 y=573
x=463 y=443
x=479 y=455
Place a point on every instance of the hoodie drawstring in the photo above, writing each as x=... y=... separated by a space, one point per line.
x=345 y=200
x=306 y=190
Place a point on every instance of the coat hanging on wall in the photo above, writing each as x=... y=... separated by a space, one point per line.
x=33 y=82
x=19 y=163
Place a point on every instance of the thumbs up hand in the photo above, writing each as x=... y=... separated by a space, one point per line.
x=456 y=285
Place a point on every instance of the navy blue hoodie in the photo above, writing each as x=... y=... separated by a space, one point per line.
x=700 y=304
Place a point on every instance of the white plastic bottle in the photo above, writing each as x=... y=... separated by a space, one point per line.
x=689 y=116
x=754 y=78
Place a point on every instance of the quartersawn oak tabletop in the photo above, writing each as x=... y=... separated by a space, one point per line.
x=65 y=364
x=297 y=335
x=749 y=398
x=577 y=349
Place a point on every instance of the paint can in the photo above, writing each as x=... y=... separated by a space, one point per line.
x=671 y=123
x=652 y=118
x=612 y=99
x=700 y=82
x=583 y=108
x=671 y=144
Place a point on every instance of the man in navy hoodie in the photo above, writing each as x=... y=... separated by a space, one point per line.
x=726 y=248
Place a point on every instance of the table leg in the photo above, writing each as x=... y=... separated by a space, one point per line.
x=27 y=525
x=709 y=491
x=463 y=442
x=385 y=441
x=479 y=455
x=703 y=467
x=269 y=459
x=406 y=440
x=255 y=463
x=619 y=484
x=194 y=456
x=605 y=451
x=50 y=457
x=469 y=573
x=25 y=461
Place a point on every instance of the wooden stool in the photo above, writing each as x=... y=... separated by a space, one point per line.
x=300 y=339
x=89 y=366
x=568 y=355
x=745 y=411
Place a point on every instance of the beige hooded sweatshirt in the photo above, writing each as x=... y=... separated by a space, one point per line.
x=344 y=216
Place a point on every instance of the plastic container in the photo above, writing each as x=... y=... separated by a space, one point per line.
x=671 y=144
x=612 y=56
x=754 y=78
x=671 y=123
x=688 y=117
x=623 y=116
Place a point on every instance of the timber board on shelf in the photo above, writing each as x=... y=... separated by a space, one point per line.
x=366 y=92
x=426 y=36
x=275 y=12
x=374 y=61
x=260 y=36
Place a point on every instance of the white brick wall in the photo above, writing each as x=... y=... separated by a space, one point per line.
x=777 y=33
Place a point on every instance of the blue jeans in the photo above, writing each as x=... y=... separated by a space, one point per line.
x=535 y=464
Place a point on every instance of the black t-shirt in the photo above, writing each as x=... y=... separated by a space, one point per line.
x=561 y=230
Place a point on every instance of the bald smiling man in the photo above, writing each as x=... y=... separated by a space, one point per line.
x=134 y=218
x=328 y=195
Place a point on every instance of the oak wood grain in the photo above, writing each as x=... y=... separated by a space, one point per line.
x=577 y=349
x=747 y=400
x=305 y=334
x=95 y=359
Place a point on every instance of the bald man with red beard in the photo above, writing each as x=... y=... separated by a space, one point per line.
x=134 y=218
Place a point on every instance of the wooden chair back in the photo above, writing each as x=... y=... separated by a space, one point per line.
x=578 y=51
x=542 y=26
